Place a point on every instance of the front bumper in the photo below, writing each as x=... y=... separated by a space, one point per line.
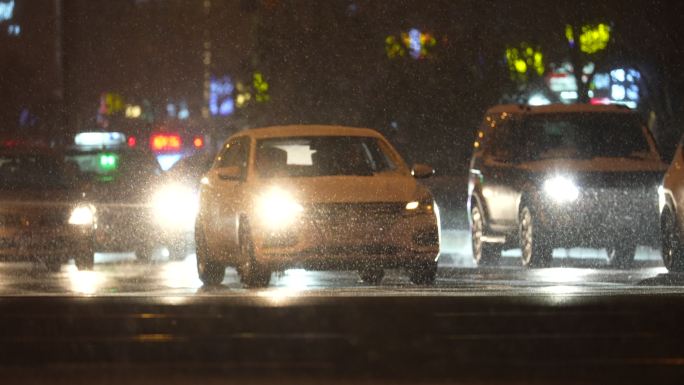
x=125 y=228
x=57 y=242
x=339 y=243
x=603 y=218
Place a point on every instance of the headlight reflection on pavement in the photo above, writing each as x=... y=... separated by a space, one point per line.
x=563 y=274
x=84 y=282
x=289 y=285
x=181 y=274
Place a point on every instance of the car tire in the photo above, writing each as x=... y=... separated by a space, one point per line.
x=177 y=251
x=621 y=256
x=423 y=274
x=535 y=250
x=484 y=254
x=371 y=275
x=252 y=273
x=85 y=261
x=671 y=248
x=144 y=253
x=210 y=272
x=53 y=265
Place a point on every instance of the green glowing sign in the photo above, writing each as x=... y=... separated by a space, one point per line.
x=592 y=38
x=108 y=162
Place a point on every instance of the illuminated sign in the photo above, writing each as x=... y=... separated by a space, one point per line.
x=523 y=60
x=221 y=96
x=414 y=42
x=99 y=139
x=6 y=10
x=165 y=142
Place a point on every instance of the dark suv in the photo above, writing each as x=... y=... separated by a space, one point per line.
x=563 y=176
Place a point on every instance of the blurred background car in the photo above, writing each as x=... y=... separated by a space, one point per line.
x=671 y=198
x=176 y=203
x=563 y=176
x=122 y=182
x=44 y=214
x=317 y=197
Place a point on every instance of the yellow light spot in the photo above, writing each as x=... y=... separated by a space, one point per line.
x=480 y=134
x=476 y=144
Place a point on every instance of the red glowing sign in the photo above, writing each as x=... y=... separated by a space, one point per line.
x=165 y=142
x=131 y=141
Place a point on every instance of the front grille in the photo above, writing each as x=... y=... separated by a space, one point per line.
x=355 y=212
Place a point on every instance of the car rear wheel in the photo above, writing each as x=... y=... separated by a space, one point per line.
x=144 y=253
x=53 y=265
x=423 y=274
x=252 y=273
x=210 y=272
x=621 y=256
x=535 y=249
x=86 y=260
x=672 y=250
x=484 y=253
x=372 y=275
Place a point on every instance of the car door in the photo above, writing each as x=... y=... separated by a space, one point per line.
x=225 y=193
x=500 y=179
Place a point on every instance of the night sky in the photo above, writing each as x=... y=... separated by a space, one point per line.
x=325 y=62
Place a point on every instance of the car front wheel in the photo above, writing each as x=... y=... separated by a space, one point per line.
x=423 y=274
x=621 y=256
x=252 y=273
x=210 y=272
x=535 y=250
x=483 y=253
x=86 y=260
x=672 y=250
x=371 y=275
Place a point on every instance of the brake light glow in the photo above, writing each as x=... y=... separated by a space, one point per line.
x=165 y=142
x=198 y=142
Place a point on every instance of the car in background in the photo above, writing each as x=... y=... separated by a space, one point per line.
x=122 y=182
x=315 y=197
x=671 y=199
x=176 y=202
x=563 y=176
x=44 y=214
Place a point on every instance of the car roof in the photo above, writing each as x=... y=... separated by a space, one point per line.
x=307 y=130
x=557 y=109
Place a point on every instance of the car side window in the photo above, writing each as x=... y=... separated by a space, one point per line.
x=234 y=154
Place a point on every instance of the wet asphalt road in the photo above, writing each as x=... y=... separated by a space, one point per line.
x=121 y=274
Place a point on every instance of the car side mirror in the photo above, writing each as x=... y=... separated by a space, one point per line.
x=421 y=171
x=230 y=173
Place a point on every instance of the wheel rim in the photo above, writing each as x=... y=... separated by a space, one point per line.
x=476 y=234
x=526 y=235
x=668 y=242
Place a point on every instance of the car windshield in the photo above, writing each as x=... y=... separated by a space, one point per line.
x=574 y=136
x=321 y=156
x=35 y=172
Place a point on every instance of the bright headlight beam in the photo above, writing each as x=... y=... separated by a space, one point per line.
x=277 y=208
x=82 y=215
x=561 y=189
x=175 y=205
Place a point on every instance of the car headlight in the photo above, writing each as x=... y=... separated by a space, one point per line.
x=82 y=215
x=175 y=206
x=424 y=205
x=277 y=208
x=561 y=189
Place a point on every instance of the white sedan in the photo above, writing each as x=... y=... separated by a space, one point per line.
x=314 y=197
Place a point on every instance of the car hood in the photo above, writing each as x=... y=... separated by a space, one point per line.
x=348 y=189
